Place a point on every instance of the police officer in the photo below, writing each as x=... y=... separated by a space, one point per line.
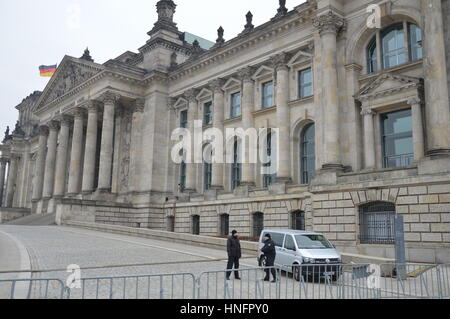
x=270 y=253
x=234 y=254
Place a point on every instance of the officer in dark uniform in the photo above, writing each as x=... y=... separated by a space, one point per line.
x=234 y=254
x=270 y=253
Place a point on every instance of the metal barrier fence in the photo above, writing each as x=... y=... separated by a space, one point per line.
x=340 y=281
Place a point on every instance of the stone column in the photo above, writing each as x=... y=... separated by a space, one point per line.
x=3 y=163
x=50 y=160
x=283 y=118
x=248 y=87
x=329 y=26
x=90 y=150
x=418 y=135
x=369 y=139
x=40 y=164
x=76 y=153
x=135 y=149
x=436 y=81
x=218 y=118
x=107 y=143
x=12 y=178
x=61 y=157
x=191 y=166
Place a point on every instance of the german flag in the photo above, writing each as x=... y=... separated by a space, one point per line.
x=47 y=70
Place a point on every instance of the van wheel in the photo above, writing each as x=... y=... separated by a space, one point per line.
x=296 y=269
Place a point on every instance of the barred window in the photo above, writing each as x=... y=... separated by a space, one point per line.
x=207 y=113
x=268 y=178
x=308 y=153
x=236 y=168
x=183 y=119
x=224 y=224
x=298 y=220
x=376 y=221
x=195 y=225
x=258 y=224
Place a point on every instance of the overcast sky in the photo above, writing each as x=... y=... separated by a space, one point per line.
x=35 y=33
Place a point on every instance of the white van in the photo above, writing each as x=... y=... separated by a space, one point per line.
x=316 y=255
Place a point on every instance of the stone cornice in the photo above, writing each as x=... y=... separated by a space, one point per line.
x=263 y=33
x=158 y=42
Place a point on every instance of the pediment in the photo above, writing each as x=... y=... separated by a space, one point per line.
x=388 y=83
x=262 y=71
x=204 y=94
x=71 y=73
x=180 y=103
x=300 y=57
x=231 y=84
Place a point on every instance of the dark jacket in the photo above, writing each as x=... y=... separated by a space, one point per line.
x=234 y=247
x=269 y=251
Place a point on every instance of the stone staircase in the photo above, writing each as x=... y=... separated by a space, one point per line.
x=34 y=220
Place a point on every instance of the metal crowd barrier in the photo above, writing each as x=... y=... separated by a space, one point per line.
x=312 y=281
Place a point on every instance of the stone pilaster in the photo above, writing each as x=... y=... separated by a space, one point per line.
x=3 y=163
x=418 y=128
x=248 y=87
x=12 y=179
x=329 y=25
x=283 y=118
x=50 y=160
x=191 y=167
x=218 y=118
x=136 y=141
x=74 y=187
x=369 y=139
x=40 y=164
x=90 y=148
x=436 y=81
x=61 y=158
x=107 y=144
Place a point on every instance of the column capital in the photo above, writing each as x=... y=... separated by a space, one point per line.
x=216 y=85
x=138 y=106
x=43 y=130
x=414 y=100
x=329 y=23
x=3 y=161
x=53 y=125
x=367 y=111
x=64 y=120
x=78 y=113
x=280 y=61
x=245 y=74
x=92 y=106
x=109 y=97
x=191 y=95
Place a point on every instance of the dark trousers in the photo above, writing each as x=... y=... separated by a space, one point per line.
x=233 y=261
x=271 y=270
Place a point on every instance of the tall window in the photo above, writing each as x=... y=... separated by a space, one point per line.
x=236 y=168
x=396 y=48
x=377 y=223
x=183 y=119
x=171 y=224
x=268 y=176
x=235 y=104
x=224 y=224
x=305 y=84
x=195 y=225
x=267 y=94
x=398 y=149
x=207 y=113
x=298 y=220
x=258 y=224
x=182 y=176
x=207 y=174
x=308 y=154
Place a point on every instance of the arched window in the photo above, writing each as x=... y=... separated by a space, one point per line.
x=308 y=153
x=236 y=169
x=258 y=225
x=224 y=224
x=400 y=43
x=376 y=222
x=195 y=225
x=298 y=220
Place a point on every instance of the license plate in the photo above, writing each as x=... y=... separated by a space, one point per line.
x=329 y=273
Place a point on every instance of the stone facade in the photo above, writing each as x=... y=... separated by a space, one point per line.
x=95 y=145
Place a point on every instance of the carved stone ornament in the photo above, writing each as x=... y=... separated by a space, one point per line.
x=109 y=97
x=139 y=105
x=246 y=74
x=191 y=95
x=280 y=60
x=217 y=84
x=43 y=130
x=329 y=22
